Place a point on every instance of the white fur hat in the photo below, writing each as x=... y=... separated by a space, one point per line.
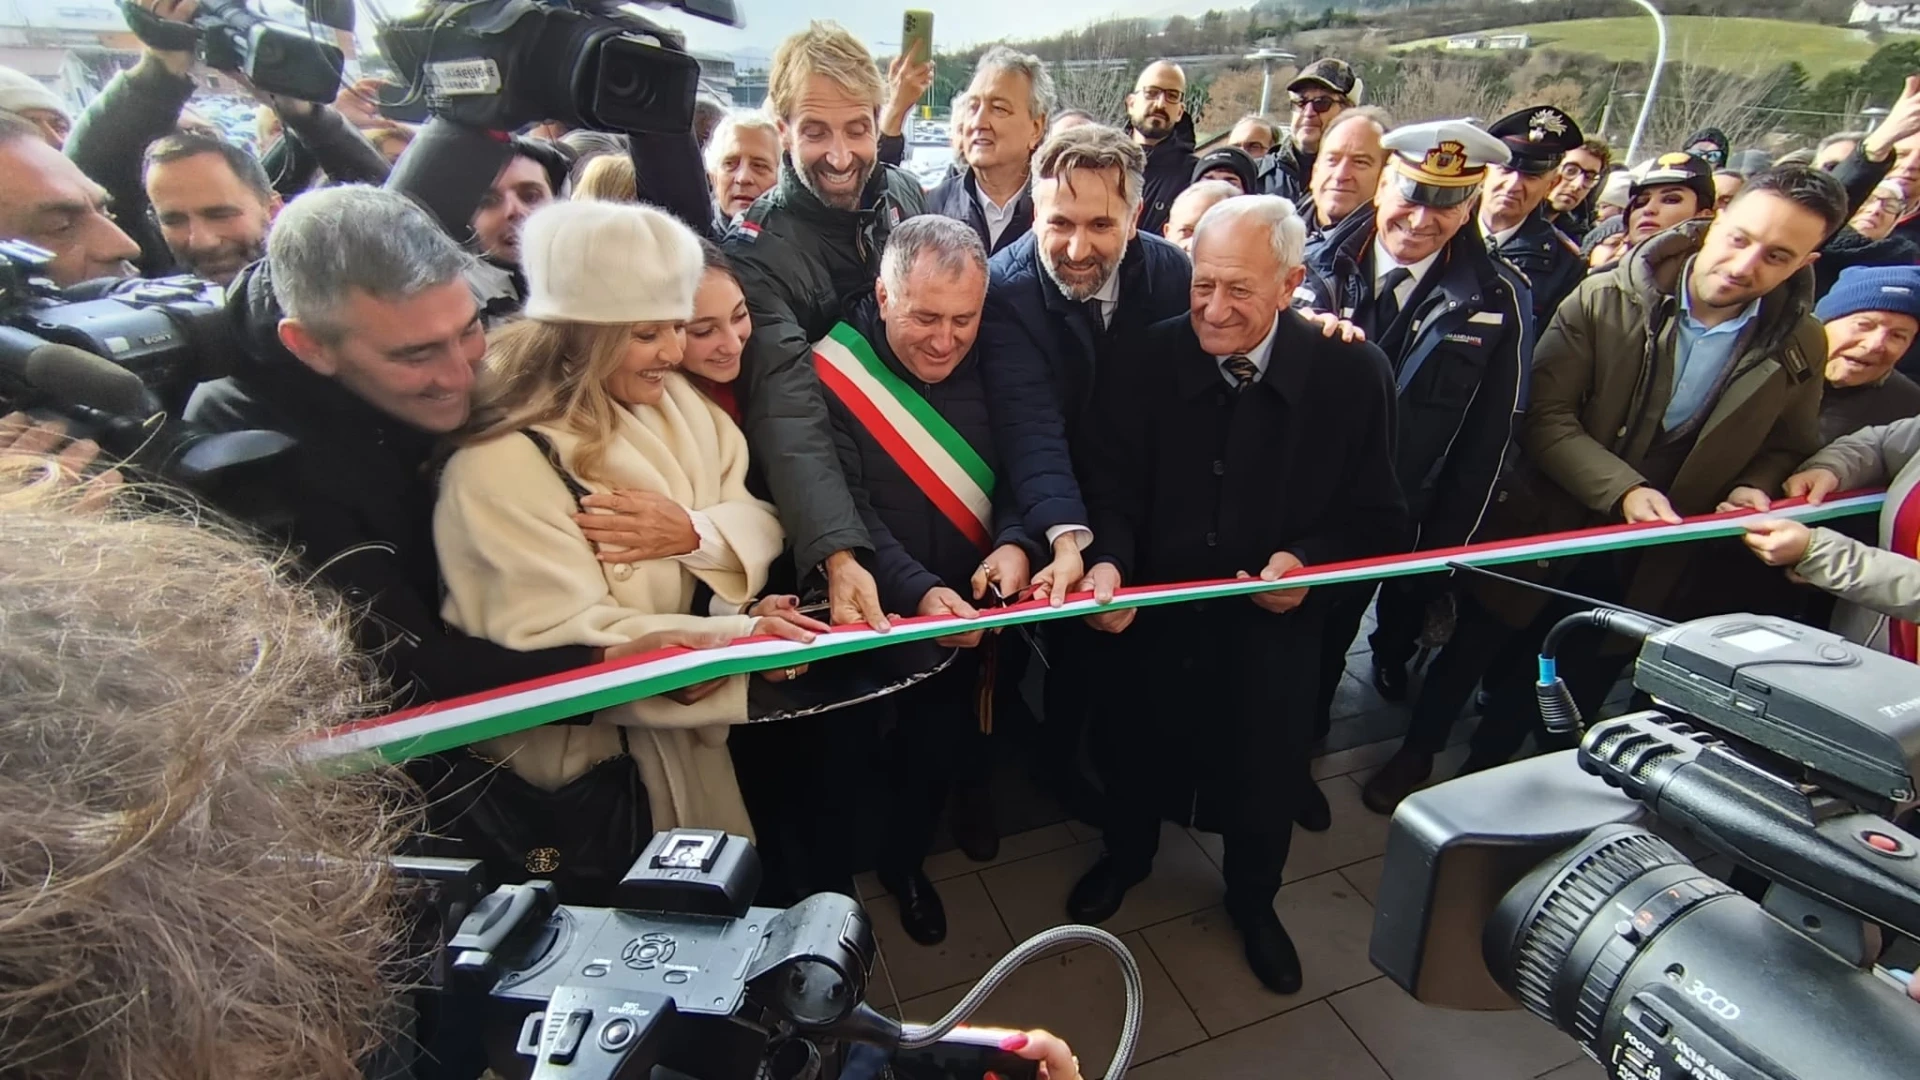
x=603 y=262
x=20 y=92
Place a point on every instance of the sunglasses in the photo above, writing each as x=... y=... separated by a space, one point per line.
x=1316 y=105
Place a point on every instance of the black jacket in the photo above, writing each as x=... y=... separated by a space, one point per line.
x=1291 y=171
x=1551 y=262
x=1189 y=480
x=800 y=263
x=1848 y=248
x=1039 y=352
x=954 y=198
x=915 y=546
x=1169 y=172
x=354 y=500
x=1461 y=373
x=1844 y=411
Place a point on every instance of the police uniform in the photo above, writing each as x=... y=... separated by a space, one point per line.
x=1538 y=139
x=1458 y=331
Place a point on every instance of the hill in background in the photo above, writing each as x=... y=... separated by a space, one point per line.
x=1764 y=43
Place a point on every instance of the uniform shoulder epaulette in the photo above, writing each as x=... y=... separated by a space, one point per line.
x=1501 y=260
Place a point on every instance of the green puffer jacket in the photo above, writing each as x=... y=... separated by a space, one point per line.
x=1603 y=373
x=799 y=261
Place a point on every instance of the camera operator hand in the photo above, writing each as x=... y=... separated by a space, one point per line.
x=1052 y=1052
x=180 y=11
x=25 y=442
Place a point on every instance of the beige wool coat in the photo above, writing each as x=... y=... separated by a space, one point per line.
x=518 y=571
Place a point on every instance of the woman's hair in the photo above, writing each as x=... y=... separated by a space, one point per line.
x=181 y=895
x=551 y=373
x=713 y=258
x=608 y=178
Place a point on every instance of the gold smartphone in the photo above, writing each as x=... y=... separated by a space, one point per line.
x=916 y=35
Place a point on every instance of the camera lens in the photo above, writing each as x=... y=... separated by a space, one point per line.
x=1563 y=938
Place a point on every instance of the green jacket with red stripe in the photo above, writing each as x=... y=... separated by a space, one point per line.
x=916 y=545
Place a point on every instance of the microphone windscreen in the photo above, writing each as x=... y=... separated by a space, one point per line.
x=78 y=377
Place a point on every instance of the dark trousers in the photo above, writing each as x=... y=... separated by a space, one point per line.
x=1400 y=617
x=927 y=729
x=1481 y=644
x=1222 y=738
x=1346 y=610
x=800 y=781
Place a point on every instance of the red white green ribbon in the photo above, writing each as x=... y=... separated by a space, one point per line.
x=447 y=724
x=938 y=459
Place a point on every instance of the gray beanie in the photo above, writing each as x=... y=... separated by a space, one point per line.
x=20 y=92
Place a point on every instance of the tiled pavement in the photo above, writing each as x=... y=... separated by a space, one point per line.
x=1206 y=1016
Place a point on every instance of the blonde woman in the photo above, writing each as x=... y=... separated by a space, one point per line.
x=591 y=374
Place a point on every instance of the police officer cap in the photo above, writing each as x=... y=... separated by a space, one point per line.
x=1537 y=137
x=1440 y=163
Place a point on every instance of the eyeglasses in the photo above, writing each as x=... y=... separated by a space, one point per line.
x=1890 y=203
x=1315 y=105
x=1571 y=171
x=1162 y=93
x=1254 y=148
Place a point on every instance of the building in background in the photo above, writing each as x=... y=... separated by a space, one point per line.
x=1898 y=18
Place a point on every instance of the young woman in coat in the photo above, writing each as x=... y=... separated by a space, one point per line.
x=591 y=371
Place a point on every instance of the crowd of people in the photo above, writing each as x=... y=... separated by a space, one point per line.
x=606 y=409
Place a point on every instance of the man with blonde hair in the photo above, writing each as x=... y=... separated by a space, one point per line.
x=812 y=239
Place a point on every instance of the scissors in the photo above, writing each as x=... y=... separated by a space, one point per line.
x=1000 y=599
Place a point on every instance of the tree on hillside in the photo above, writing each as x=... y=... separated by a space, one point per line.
x=1433 y=87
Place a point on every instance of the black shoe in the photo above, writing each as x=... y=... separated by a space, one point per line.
x=1270 y=952
x=1405 y=770
x=973 y=826
x=1311 y=812
x=922 y=914
x=1390 y=679
x=1099 y=894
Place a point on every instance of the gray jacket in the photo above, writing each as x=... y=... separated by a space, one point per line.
x=1874 y=582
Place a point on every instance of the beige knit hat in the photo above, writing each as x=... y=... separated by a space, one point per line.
x=601 y=262
x=20 y=92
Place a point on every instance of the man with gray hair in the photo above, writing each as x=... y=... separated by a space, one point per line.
x=1234 y=440
x=1005 y=116
x=942 y=536
x=361 y=338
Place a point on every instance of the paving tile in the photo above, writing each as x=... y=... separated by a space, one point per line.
x=1358 y=834
x=1365 y=876
x=1079 y=995
x=1419 y=1042
x=1355 y=696
x=1361 y=759
x=975 y=940
x=953 y=862
x=1377 y=723
x=1031 y=894
x=1584 y=1069
x=1329 y=924
x=1309 y=1043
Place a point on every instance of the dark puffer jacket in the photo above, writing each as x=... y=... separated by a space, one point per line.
x=1169 y=172
x=801 y=263
x=354 y=501
x=954 y=198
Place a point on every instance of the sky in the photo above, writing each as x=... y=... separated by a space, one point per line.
x=877 y=23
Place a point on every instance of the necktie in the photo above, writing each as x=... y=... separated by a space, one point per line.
x=1241 y=369
x=1386 y=304
x=1096 y=318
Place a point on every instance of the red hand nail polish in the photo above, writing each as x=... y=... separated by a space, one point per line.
x=1016 y=1041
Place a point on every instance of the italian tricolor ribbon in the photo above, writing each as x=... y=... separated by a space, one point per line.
x=934 y=456
x=447 y=724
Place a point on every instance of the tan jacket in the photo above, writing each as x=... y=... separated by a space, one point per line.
x=1874 y=582
x=519 y=572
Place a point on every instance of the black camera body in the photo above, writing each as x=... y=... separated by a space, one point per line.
x=295 y=62
x=1542 y=882
x=682 y=975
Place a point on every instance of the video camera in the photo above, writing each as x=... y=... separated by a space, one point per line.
x=117 y=360
x=289 y=61
x=1788 y=750
x=684 y=980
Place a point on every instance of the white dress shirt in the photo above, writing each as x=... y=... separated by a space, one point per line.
x=1109 y=297
x=1499 y=239
x=998 y=217
x=1384 y=262
x=1258 y=354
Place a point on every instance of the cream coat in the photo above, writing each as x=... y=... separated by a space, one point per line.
x=519 y=572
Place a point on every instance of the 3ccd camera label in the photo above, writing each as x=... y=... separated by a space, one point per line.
x=1714 y=1002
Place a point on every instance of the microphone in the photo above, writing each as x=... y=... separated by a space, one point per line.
x=72 y=376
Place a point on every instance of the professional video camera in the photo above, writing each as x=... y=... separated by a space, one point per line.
x=686 y=981
x=117 y=360
x=293 y=62
x=487 y=66
x=1788 y=750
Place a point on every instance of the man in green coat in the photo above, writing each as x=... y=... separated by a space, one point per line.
x=1685 y=380
x=802 y=247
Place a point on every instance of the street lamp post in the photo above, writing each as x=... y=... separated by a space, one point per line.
x=1653 y=84
x=1267 y=54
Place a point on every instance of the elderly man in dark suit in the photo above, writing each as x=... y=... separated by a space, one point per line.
x=1235 y=440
